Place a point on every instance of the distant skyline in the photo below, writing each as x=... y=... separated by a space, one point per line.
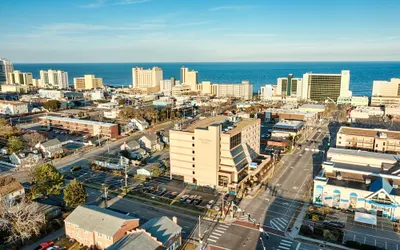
x=35 y=31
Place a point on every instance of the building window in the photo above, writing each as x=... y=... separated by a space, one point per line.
x=193 y=165
x=99 y=234
x=193 y=151
x=384 y=143
x=223 y=181
x=193 y=145
x=193 y=158
x=193 y=138
x=108 y=238
x=76 y=226
x=86 y=232
x=193 y=172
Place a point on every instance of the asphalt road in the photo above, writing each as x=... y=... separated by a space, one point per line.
x=275 y=206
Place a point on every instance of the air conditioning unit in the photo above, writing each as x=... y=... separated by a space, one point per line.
x=367 y=181
x=395 y=185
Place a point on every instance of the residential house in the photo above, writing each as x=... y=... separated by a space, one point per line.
x=50 y=148
x=165 y=230
x=117 y=162
x=140 y=124
x=146 y=170
x=130 y=146
x=10 y=188
x=139 y=154
x=25 y=160
x=94 y=226
x=139 y=239
x=151 y=143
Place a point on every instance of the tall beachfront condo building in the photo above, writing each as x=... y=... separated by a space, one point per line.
x=167 y=85
x=54 y=79
x=189 y=77
x=6 y=67
x=242 y=91
x=147 y=78
x=216 y=151
x=18 y=77
x=320 y=87
x=87 y=82
x=386 y=92
x=288 y=86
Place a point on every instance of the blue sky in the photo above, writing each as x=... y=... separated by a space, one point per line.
x=199 y=30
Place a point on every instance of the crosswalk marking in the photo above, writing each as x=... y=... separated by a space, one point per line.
x=285 y=244
x=211 y=240
x=287 y=241
x=213 y=236
x=284 y=248
x=279 y=223
x=217 y=234
x=219 y=231
x=222 y=228
x=222 y=225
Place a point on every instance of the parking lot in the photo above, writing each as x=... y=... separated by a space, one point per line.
x=381 y=235
x=89 y=176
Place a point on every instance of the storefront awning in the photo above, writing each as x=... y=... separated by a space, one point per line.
x=365 y=218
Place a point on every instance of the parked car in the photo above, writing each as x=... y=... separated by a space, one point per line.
x=44 y=245
x=75 y=168
x=210 y=204
x=198 y=200
x=173 y=195
x=184 y=197
x=190 y=199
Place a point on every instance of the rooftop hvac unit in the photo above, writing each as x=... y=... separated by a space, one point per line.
x=367 y=181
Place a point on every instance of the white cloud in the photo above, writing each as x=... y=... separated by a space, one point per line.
x=192 y=23
x=127 y=2
x=231 y=7
x=102 y=3
x=251 y=35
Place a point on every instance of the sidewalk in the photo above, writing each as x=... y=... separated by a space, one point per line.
x=298 y=222
x=56 y=234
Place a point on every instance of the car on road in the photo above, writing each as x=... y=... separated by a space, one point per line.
x=210 y=204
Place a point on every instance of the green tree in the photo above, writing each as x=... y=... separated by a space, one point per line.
x=121 y=101
x=75 y=194
x=46 y=180
x=15 y=144
x=52 y=105
x=156 y=172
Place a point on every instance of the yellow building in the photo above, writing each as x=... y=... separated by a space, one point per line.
x=242 y=91
x=189 y=77
x=377 y=140
x=181 y=90
x=147 y=78
x=17 y=88
x=87 y=82
x=215 y=152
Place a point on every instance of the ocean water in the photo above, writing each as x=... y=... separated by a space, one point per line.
x=258 y=73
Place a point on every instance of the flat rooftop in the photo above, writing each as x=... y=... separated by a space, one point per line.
x=312 y=106
x=234 y=127
x=364 y=132
x=12 y=102
x=66 y=119
x=365 y=154
x=290 y=124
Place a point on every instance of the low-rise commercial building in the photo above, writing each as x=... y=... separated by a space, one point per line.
x=384 y=100
x=16 y=88
x=287 y=128
x=216 y=151
x=289 y=114
x=181 y=90
x=317 y=108
x=348 y=181
x=93 y=128
x=354 y=101
x=393 y=111
x=366 y=112
x=87 y=82
x=13 y=107
x=377 y=140
x=386 y=92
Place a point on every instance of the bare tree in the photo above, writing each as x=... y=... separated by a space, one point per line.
x=33 y=138
x=22 y=220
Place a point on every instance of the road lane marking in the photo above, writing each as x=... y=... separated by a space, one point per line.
x=298 y=246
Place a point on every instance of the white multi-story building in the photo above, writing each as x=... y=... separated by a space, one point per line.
x=320 y=87
x=18 y=77
x=268 y=92
x=6 y=67
x=243 y=91
x=386 y=92
x=54 y=79
x=13 y=108
x=288 y=86
x=167 y=85
x=354 y=101
x=146 y=78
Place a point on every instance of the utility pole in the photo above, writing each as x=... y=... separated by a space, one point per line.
x=105 y=189
x=199 y=230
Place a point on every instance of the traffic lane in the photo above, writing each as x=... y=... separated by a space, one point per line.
x=146 y=212
x=235 y=237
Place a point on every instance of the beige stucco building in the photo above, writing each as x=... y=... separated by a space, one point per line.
x=189 y=77
x=216 y=151
x=243 y=91
x=17 y=88
x=386 y=92
x=87 y=82
x=18 y=77
x=147 y=78
x=378 y=140
x=13 y=107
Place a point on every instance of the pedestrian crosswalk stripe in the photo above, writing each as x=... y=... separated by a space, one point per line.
x=222 y=228
x=284 y=248
x=285 y=244
x=213 y=236
x=217 y=234
x=211 y=240
x=222 y=225
x=288 y=241
x=219 y=231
